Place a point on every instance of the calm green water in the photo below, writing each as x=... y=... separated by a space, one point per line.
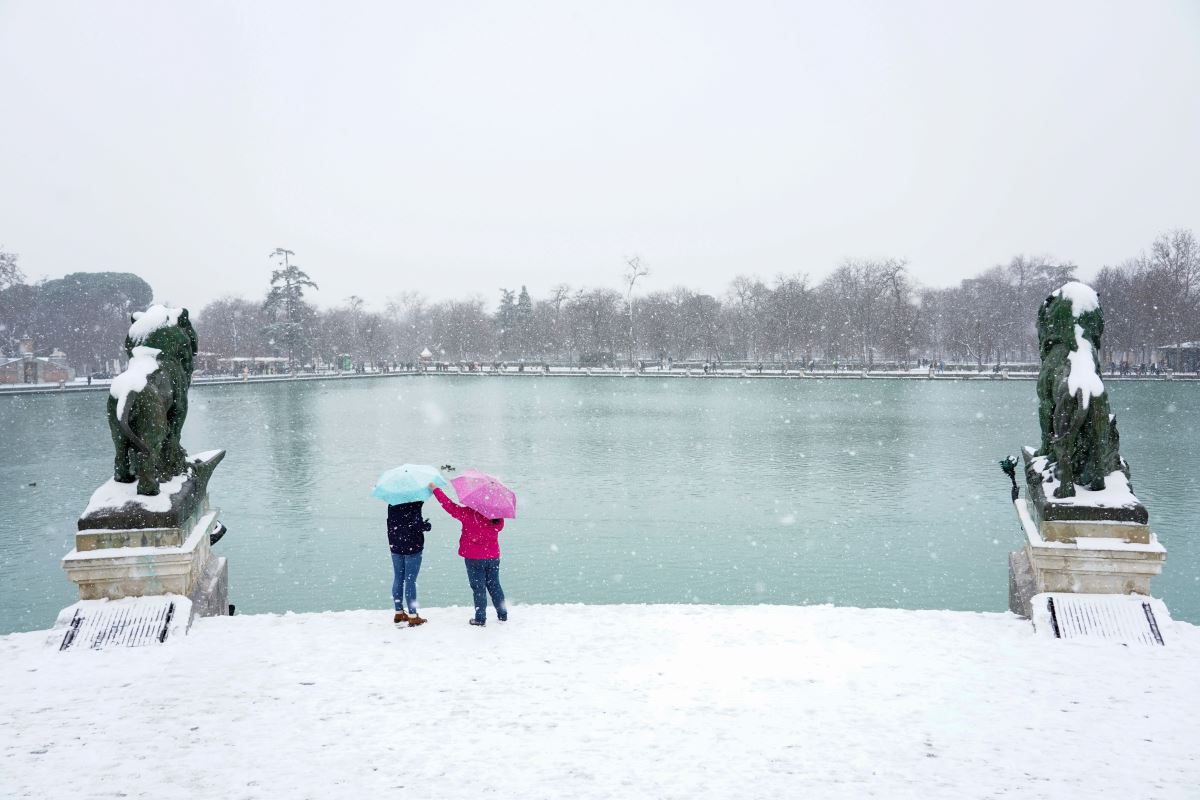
x=867 y=493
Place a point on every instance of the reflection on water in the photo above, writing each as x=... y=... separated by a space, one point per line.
x=869 y=493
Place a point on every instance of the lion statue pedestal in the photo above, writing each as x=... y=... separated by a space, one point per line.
x=131 y=545
x=150 y=529
x=1085 y=530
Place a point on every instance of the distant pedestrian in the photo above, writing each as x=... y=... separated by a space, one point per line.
x=479 y=546
x=406 y=539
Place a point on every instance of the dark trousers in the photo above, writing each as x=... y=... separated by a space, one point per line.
x=484 y=576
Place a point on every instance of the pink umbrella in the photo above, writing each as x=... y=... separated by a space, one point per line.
x=485 y=494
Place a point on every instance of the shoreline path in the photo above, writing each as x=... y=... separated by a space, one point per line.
x=575 y=372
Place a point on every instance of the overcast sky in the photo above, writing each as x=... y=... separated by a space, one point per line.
x=459 y=147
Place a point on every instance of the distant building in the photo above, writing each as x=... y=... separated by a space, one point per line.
x=29 y=368
x=256 y=365
x=1184 y=358
x=207 y=363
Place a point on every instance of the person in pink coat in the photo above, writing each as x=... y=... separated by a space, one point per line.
x=479 y=546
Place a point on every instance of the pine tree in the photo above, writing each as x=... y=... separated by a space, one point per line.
x=524 y=322
x=285 y=304
x=506 y=318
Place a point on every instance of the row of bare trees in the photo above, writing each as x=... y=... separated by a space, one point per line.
x=866 y=312
x=1153 y=299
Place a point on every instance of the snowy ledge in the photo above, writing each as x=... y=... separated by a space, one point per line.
x=1034 y=537
x=114 y=495
x=606 y=701
x=1115 y=494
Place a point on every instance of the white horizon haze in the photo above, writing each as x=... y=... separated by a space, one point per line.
x=454 y=149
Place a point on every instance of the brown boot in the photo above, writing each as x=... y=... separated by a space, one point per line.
x=415 y=620
x=400 y=617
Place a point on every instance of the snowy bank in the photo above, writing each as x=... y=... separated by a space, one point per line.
x=605 y=701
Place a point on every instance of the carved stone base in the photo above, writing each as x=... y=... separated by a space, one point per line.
x=189 y=569
x=1062 y=531
x=130 y=545
x=1081 y=561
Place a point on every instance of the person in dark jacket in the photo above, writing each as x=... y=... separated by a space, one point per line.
x=406 y=539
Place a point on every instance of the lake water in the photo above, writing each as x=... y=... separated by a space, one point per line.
x=632 y=490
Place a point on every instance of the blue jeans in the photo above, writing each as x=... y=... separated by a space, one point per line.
x=405 y=569
x=484 y=576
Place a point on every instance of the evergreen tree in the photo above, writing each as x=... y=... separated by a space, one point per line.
x=506 y=319
x=86 y=314
x=285 y=305
x=523 y=323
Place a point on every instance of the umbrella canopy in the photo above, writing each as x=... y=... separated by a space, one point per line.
x=407 y=483
x=486 y=494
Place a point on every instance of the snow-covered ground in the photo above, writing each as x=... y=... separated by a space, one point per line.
x=602 y=702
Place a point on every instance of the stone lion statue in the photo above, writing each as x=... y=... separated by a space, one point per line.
x=1079 y=434
x=147 y=402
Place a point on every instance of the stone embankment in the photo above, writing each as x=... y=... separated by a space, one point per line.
x=596 y=372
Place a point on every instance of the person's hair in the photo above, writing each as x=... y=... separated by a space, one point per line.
x=496 y=521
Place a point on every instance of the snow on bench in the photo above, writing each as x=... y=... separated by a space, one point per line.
x=1122 y=618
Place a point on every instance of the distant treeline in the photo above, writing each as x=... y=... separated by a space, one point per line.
x=865 y=312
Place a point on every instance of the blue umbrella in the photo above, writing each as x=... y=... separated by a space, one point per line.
x=407 y=483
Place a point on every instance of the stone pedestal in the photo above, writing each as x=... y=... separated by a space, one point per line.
x=1093 y=542
x=164 y=547
x=1090 y=557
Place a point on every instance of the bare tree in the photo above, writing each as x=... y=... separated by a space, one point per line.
x=747 y=302
x=934 y=313
x=408 y=317
x=461 y=329
x=860 y=289
x=1176 y=256
x=634 y=270
x=594 y=320
x=901 y=328
x=559 y=295
x=790 y=310
x=231 y=327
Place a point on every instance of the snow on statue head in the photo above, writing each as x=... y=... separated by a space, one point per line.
x=147 y=402
x=1079 y=435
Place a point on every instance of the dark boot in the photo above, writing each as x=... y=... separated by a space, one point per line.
x=474 y=621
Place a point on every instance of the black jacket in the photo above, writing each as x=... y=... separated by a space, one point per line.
x=406 y=529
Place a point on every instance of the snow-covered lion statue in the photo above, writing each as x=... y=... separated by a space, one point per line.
x=147 y=402
x=1079 y=434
